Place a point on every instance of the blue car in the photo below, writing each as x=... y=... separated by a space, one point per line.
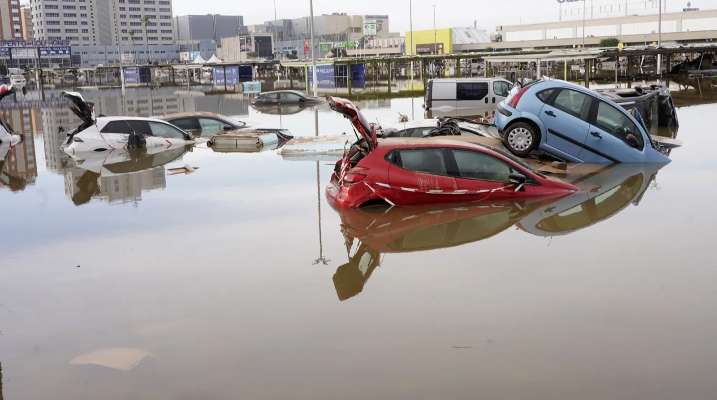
x=574 y=124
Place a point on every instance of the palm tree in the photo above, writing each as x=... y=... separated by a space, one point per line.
x=145 y=23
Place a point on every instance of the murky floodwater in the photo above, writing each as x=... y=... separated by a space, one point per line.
x=129 y=279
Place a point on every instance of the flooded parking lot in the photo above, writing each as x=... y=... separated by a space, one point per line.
x=192 y=274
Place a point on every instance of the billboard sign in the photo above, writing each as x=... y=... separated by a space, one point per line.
x=131 y=75
x=325 y=76
x=370 y=28
x=4 y=52
x=24 y=53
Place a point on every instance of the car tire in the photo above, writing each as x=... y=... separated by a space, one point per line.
x=521 y=138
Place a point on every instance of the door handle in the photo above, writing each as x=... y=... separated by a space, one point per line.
x=596 y=134
x=551 y=114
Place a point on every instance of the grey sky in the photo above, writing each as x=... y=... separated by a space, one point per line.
x=449 y=12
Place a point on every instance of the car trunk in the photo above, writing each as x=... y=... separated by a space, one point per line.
x=368 y=139
x=83 y=110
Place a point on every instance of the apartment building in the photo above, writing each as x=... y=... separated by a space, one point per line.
x=10 y=22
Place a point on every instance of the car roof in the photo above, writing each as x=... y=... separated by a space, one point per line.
x=286 y=91
x=125 y=118
x=469 y=79
x=438 y=141
x=197 y=114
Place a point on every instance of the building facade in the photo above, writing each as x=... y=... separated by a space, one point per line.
x=10 y=20
x=26 y=22
x=207 y=27
x=677 y=27
x=108 y=31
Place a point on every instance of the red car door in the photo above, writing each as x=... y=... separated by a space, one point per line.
x=431 y=175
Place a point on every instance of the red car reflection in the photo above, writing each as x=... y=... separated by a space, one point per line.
x=428 y=171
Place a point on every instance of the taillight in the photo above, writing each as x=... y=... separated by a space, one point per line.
x=353 y=177
x=516 y=98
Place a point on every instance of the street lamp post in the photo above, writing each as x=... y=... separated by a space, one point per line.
x=435 y=32
x=659 y=39
x=314 y=84
x=413 y=45
x=585 y=2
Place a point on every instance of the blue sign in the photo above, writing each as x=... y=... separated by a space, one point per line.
x=232 y=75
x=219 y=75
x=131 y=75
x=55 y=51
x=246 y=73
x=358 y=75
x=5 y=52
x=325 y=76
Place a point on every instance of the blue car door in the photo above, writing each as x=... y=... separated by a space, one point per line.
x=565 y=120
x=613 y=137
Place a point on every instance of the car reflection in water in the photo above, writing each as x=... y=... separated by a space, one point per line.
x=120 y=175
x=605 y=191
x=18 y=168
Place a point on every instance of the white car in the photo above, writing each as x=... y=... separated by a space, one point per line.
x=7 y=136
x=18 y=81
x=112 y=133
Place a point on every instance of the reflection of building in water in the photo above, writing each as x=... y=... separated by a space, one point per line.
x=82 y=186
x=1 y=396
x=20 y=166
x=55 y=124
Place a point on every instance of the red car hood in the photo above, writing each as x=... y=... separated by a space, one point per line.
x=350 y=111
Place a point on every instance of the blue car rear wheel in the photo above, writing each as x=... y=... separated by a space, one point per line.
x=521 y=138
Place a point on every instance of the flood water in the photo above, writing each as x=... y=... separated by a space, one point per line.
x=123 y=280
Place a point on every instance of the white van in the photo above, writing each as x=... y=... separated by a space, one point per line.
x=464 y=97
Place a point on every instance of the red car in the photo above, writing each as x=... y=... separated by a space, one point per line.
x=428 y=171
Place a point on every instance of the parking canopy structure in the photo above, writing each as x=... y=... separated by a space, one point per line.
x=539 y=58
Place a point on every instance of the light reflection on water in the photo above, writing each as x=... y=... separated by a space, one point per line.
x=206 y=285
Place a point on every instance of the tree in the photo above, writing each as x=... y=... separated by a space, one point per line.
x=610 y=42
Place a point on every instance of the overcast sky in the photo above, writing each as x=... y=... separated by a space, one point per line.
x=448 y=12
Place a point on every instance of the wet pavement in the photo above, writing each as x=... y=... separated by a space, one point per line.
x=133 y=277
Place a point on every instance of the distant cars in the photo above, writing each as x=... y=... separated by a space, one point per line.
x=107 y=133
x=425 y=171
x=465 y=96
x=284 y=97
x=574 y=124
x=204 y=124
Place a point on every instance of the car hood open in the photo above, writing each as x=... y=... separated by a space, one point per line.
x=350 y=111
x=80 y=107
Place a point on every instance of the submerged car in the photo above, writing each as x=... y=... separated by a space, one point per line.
x=432 y=127
x=107 y=133
x=204 y=124
x=284 y=97
x=7 y=136
x=574 y=124
x=426 y=171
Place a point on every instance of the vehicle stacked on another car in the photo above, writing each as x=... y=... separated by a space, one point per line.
x=574 y=124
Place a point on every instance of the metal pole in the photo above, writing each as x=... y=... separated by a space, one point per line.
x=585 y=3
x=435 y=32
x=411 y=52
x=314 y=84
x=659 y=39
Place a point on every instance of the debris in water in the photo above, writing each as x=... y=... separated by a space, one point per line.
x=186 y=170
x=121 y=359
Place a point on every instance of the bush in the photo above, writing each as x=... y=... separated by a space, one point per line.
x=609 y=42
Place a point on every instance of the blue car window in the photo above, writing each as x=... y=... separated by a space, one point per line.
x=572 y=102
x=617 y=123
x=546 y=94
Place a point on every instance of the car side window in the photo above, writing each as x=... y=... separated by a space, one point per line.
x=211 y=126
x=140 y=127
x=501 y=88
x=430 y=161
x=615 y=122
x=573 y=102
x=290 y=97
x=471 y=90
x=121 y=127
x=165 y=130
x=186 y=123
x=477 y=165
x=545 y=95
